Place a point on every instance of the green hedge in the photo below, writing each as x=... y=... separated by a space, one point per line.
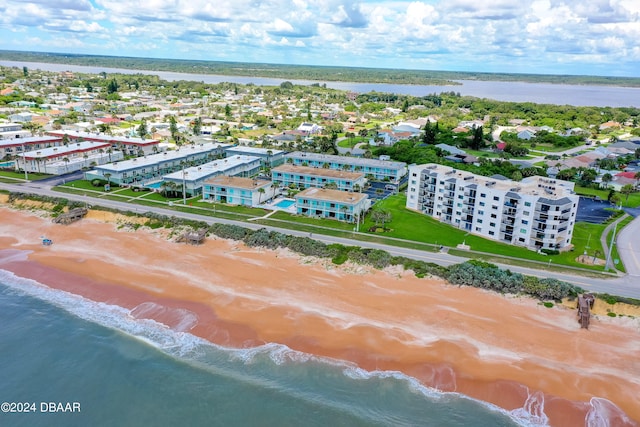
x=474 y=273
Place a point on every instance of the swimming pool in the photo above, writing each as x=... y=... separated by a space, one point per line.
x=285 y=204
x=157 y=184
x=7 y=164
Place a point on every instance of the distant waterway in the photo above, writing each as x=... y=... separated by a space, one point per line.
x=543 y=93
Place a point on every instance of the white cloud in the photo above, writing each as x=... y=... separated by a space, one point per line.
x=447 y=34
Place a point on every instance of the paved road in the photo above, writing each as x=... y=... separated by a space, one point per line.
x=621 y=286
x=629 y=249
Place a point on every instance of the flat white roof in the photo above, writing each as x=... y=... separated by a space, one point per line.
x=332 y=195
x=238 y=182
x=65 y=149
x=103 y=137
x=220 y=166
x=533 y=185
x=254 y=150
x=154 y=159
x=359 y=161
x=30 y=140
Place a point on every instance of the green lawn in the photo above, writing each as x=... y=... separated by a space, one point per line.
x=351 y=142
x=417 y=229
x=614 y=252
x=20 y=175
x=415 y=226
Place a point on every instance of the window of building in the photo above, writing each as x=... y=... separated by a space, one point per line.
x=479 y=229
x=523 y=230
x=459 y=205
x=483 y=195
x=525 y=213
x=521 y=239
x=480 y=212
x=492 y=233
x=413 y=190
x=413 y=181
x=494 y=216
x=527 y=204
x=479 y=221
x=525 y=222
x=414 y=174
x=460 y=196
x=492 y=224
x=496 y=198
x=494 y=207
x=481 y=203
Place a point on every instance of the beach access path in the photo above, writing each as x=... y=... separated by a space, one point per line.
x=620 y=286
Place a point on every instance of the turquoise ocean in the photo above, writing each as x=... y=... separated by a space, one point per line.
x=58 y=347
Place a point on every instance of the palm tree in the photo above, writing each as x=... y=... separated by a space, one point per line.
x=637 y=178
x=626 y=190
x=261 y=192
x=66 y=164
x=606 y=179
x=108 y=176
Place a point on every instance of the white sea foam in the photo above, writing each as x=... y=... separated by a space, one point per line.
x=603 y=412
x=533 y=409
x=188 y=347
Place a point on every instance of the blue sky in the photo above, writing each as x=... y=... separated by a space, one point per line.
x=598 y=37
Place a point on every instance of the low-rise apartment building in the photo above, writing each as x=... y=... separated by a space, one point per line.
x=270 y=157
x=141 y=170
x=332 y=204
x=192 y=179
x=238 y=191
x=63 y=159
x=305 y=177
x=131 y=146
x=376 y=169
x=12 y=147
x=13 y=131
x=536 y=212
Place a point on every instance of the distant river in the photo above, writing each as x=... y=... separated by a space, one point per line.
x=543 y=93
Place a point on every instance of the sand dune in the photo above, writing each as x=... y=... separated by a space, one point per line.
x=502 y=349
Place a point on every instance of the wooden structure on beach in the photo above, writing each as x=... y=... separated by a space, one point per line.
x=585 y=304
x=73 y=215
x=193 y=237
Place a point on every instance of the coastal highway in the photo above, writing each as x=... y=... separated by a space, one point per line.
x=627 y=286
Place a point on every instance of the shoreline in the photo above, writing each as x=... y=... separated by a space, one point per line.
x=450 y=338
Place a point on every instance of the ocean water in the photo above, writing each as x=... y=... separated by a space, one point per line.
x=57 y=347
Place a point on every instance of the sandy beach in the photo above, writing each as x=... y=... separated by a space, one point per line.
x=507 y=350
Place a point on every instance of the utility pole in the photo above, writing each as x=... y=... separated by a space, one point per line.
x=184 y=186
x=607 y=265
